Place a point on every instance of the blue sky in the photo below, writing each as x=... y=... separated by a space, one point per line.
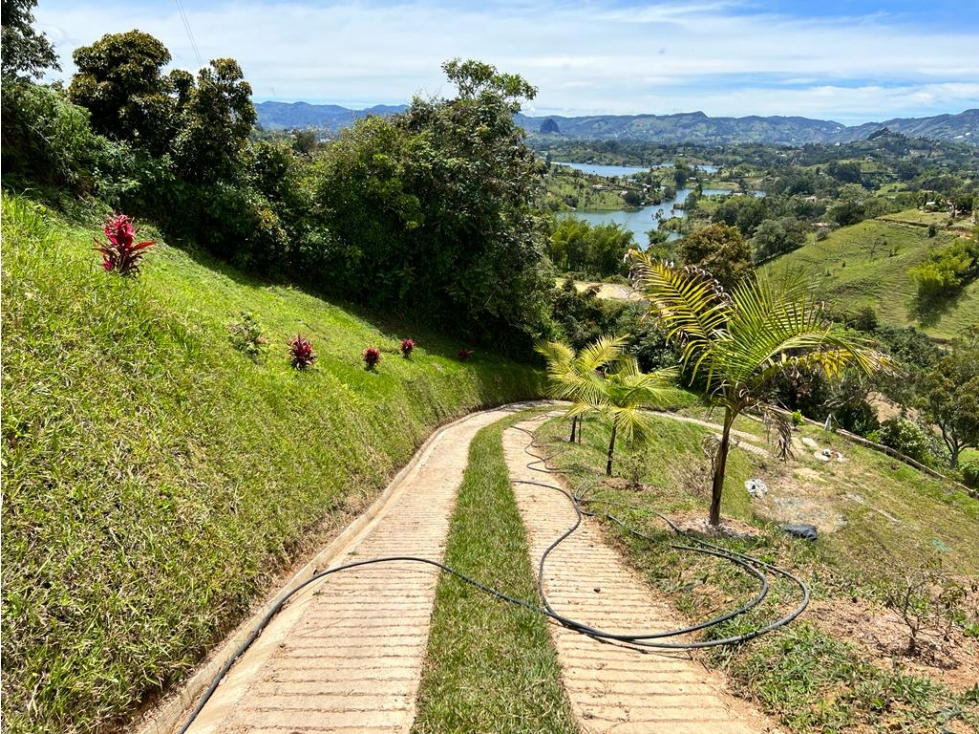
x=842 y=60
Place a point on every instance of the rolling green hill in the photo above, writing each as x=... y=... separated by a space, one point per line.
x=156 y=479
x=867 y=265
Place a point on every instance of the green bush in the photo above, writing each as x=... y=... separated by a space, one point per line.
x=246 y=335
x=907 y=437
x=970 y=474
x=947 y=271
x=46 y=139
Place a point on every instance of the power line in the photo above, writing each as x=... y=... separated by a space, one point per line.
x=190 y=33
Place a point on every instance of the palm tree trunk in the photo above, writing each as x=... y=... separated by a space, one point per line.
x=720 y=465
x=581 y=424
x=574 y=424
x=611 y=450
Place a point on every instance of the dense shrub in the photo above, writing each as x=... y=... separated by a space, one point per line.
x=596 y=251
x=906 y=437
x=945 y=272
x=46 y=139
x=970 y=474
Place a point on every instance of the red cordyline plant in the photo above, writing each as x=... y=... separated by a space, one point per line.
x=301 y=352
x=407 y=345
x=121 y=253
x=371 y=355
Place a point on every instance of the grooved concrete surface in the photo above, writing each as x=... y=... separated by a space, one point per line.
x=346 y=654
x=614 y=688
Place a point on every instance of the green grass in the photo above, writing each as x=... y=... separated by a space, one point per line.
x=156 y=480
x=867 y=265
x=490 y=664
x=813 y=679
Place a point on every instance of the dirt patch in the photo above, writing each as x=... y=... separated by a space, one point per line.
x=695 y=521
x=801 y=496
x=882 y=638
x=887 y=409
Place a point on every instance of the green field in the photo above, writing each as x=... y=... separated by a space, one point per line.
x=867 y=265
x=156 y=480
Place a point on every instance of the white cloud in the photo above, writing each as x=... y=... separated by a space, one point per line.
x=594 y=56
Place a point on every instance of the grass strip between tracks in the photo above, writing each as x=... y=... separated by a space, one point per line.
x=490 y=665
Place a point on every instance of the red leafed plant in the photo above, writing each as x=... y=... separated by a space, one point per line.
x=406 y=346
x=301 y=352
x=121 y=253
x=465 y=354
x=371 y=355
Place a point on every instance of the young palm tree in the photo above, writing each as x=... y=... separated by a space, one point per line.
x=603 y=379
x=572 y=375
x=736 y=343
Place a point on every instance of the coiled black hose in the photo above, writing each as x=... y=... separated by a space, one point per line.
x=750 y=565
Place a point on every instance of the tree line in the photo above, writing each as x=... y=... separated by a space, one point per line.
x=430 y=214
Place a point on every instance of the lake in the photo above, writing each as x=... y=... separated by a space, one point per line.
x=611 y=171
x=640 y=221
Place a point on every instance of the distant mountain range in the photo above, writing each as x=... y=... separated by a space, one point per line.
x=692 y=127
x=300 y=115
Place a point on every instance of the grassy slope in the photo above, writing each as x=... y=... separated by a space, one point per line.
x=812 y=680
x=155 y=479
x=849 y=277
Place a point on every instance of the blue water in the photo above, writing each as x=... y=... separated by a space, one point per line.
x=640 y=221
x=610 y=171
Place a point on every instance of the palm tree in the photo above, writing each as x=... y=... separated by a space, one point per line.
x=571 y=375
x=737 y=342
x=603 y=379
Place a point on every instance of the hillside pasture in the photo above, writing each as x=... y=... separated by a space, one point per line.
x=867 y=264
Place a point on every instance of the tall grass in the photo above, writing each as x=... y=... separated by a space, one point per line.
x=155 y=479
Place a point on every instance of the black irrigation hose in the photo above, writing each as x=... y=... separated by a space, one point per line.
x=749 y=564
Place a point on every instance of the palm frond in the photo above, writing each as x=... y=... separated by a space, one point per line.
x=778 y=422
x=686 y=302
x=773 y=327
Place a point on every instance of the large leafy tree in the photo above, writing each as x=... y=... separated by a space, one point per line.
x=432 y=212
x=25 y=52
x=735 y=343
x=121 y=83
x=719 y=249
x=216 y=117
x=951 y=399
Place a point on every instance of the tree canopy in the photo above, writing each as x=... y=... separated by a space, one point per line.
x=719 y=249
x=121 y=83
x=431 y=212
x=25 y=52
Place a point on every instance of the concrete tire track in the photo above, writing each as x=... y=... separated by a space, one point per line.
x=615 y=688
x=346 y=655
